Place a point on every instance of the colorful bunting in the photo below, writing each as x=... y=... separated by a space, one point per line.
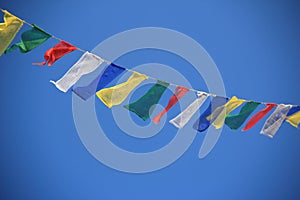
x=30 y=39
x=179 y=93
x=235 y=121
x=258 y=116
x=109 y=74
x=117 y=94
x=274 y=122
x=294 y=119
x=180 y=120
x=203 y=123
x=8 y=30
x=219 y=115
x=55 y=53
x=144 y=106
x=86 y=64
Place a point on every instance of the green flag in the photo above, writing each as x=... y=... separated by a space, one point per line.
x=30 y=39
x=236 y=120
x=142 y=106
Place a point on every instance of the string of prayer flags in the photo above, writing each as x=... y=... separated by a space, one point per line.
x=220 y=113
x=55 y=53
x=258 y=116
x=275 y=120
x=117 y=94
x=103 y=79
x=203 y=123
x=294 y=119
x=8 y=30
x=86 y=64
x=180 y=120
x=30 y=39
x=179 y=93
x=144 y=106
x=235 y=121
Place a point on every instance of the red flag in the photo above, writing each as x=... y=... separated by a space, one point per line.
x=179 y=93
x=258 y=116
x=58 y=51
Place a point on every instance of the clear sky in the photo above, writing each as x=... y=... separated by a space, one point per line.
x=255 y=45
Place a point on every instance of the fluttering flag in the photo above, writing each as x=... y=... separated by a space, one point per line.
x=275 y=120
x=55 y=53
x=86 y=64
x=104 y=78
x=294 y=119
x=30 y=39
x=8 y=30
x=293 y=110
x=235 y=121
x=258 y=116
x=142 y=106
x=179 y=93
x=117 y=94
x=203 y=123
x=180 y=120
x=219 y=115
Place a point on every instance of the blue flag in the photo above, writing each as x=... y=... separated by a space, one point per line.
x=293 y=110
x=109 y=74
x=202 y=123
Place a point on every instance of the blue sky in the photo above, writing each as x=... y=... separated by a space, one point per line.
x=255 y=45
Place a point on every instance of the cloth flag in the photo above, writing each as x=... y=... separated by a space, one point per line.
x=55 y=53
x=144 y=106
x=275 y=120
x=203 y=123
x=258 y=116
x=109 y=74
x=293 y=110
x=179 y=93
x=117 y=94
x=180 y=120
x=235 y=121
x=221 y=112
x=294 y=119
x=8 y=30
x=86 y=64
x=30 y=39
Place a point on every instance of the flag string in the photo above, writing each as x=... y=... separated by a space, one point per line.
x=153 y=78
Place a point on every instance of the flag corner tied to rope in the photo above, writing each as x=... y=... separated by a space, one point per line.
x=30 y=39
x=117 y=94
x=178 y=94
x=8 y=30
x=219 y=115
x=85 y=65
x=275 y=120
x=182 y=119
x=56 y=52
x=145 y=105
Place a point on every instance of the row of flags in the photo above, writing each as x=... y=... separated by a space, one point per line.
x=217 y=113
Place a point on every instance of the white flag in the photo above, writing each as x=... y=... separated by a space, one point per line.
x=86 y=64
x=275 y=120
x=180 y=120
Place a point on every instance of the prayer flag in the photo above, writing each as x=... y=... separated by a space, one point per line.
x=294 y=119
x=180 y=120
x=109 y=74
x=30 y=39
x=275 y=120
x=179 y=93
x=86 y=64
x=117 y=94
x=142 y=106
x=55 y=53
x=235 y=121
x=8 y=30
x=293 y=110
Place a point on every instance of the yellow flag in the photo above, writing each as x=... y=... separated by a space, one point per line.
x=294 y=119
x=117 y=94
x=221 y=112
x=8 y=30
